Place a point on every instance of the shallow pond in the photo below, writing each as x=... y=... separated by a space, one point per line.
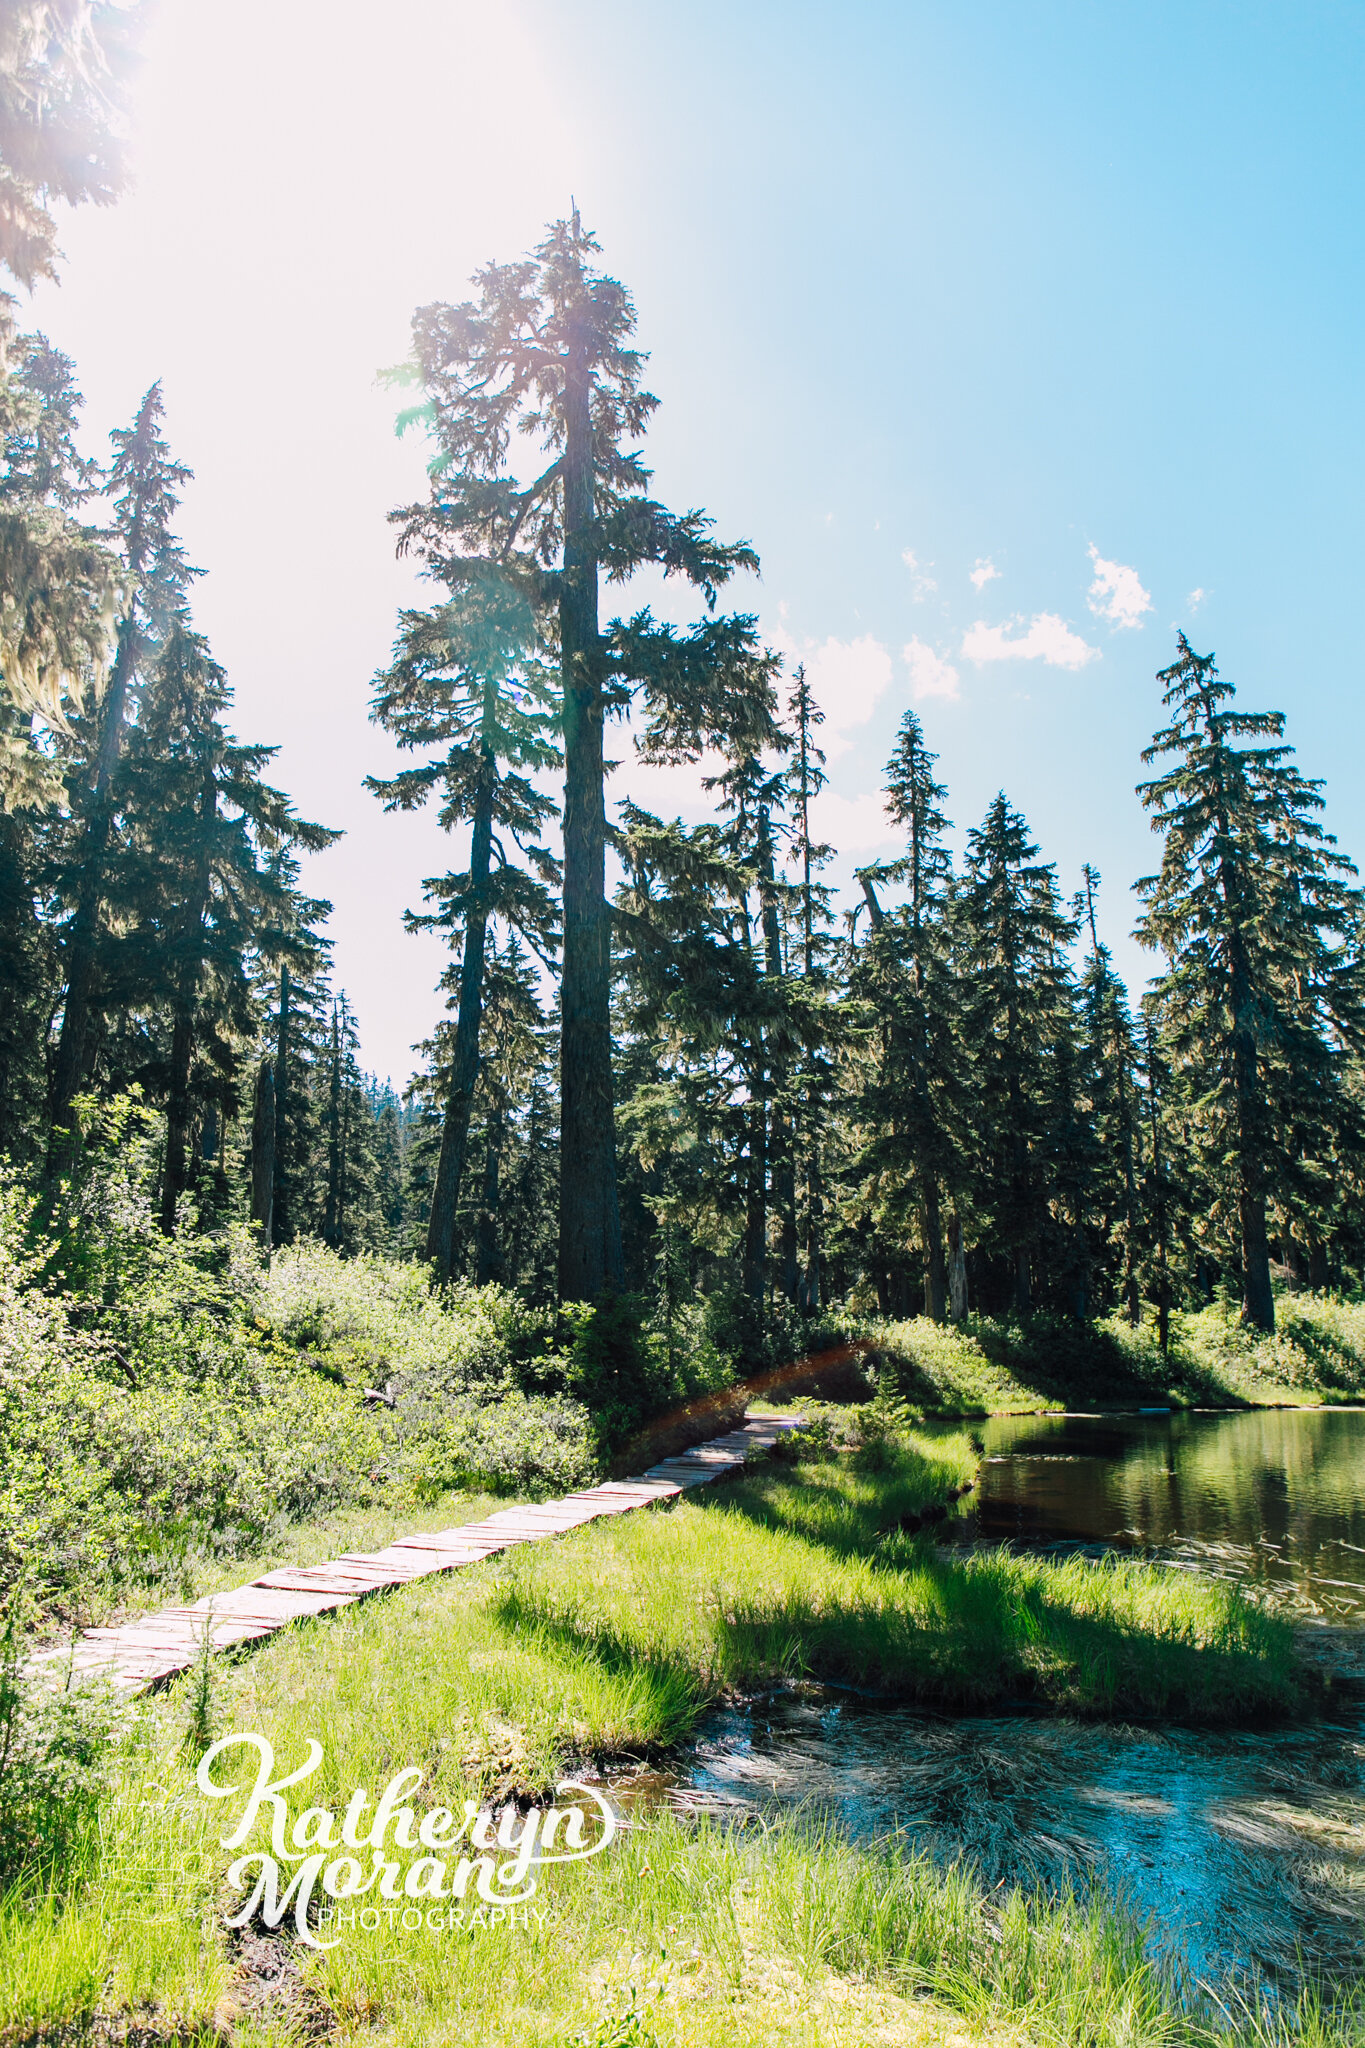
x=1274 y=1496
x=1245 y=1849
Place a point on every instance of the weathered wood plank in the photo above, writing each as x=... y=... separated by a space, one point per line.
x=143 y=1652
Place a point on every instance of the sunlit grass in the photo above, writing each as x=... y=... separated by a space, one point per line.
x=614 y=1640
x=783 y=1576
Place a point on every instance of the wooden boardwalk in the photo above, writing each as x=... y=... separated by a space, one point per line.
x=142 y=1653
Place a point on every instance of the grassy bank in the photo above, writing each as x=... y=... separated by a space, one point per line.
x=992 y=1365
x=681 y=1937
x=614 y=1640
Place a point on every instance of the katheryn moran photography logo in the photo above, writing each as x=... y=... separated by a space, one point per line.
x=388 y=1863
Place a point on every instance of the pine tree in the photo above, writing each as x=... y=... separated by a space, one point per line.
x=461 y=680
x=64 y=66
x=145 y=484
x=52 y=647
x=805 y=779
x=1013 y=935
x=545 y=350
x=1262 y=995
x=193 y=884
x=904 y=974
x=760 y=1026
x=1109 y=1058
x=294 y=1001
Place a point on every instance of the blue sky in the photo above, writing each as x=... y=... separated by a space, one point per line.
x=1066 y=295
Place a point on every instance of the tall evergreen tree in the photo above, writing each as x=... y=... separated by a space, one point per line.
x=193 y=886
x=1262 y=996
x=544 y=351
x=461 y=680
x=1013 y=936
x=145 y=484
x=1109 y=1058
x=805 y=779
x=59 y=579
x=912 y=1108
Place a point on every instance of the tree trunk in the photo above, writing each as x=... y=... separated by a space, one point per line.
x=1258 y=1300
x=1023 y=1298
x=177 y=1114
x=812 y=1283
x=331 y=1213
x=934 y=1288
x=464 y=1073
x=263 y=1154
x=489 y=1255
x=784 y=1187
x=756 y=1203
x=590 y=1259
x=1132 y=1293
x=282 y=1222
x=182 y=1030
x=957 y=1268
x=73 y=1044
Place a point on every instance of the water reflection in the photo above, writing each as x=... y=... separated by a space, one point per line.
x=1275 y=1497
x=1245 y=1849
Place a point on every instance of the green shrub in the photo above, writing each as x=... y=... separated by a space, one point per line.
x=54 y=1760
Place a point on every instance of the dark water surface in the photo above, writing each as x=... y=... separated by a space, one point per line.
x=1274 y=1496
x=1245 y=1849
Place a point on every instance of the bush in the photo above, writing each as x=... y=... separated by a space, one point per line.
x=54 y=1750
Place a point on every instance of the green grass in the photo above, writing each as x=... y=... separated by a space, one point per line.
x=614 y=1640
x=993 y=1365
x=680 y=1937
x=782 y=1576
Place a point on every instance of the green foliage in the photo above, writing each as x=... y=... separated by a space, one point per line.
x=186 y=1405
x=54 y=1765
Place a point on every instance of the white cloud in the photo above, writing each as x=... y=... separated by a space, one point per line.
x=1116 y=593
x=922 y=585
x=674 y=791
x=985 y=572
x=930 y=674
x=855 y=824
x=1045 y=637
x=846 y=676
x=1195 y=599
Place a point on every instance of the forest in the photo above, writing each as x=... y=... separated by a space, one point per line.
x=671 y=1071
x=688 y=1116
x=887 y=1216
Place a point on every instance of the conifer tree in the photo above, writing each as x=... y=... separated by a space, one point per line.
x=64 y=67
x=145 y=484
x=1109 y=1061
x=1262 y=994
x=805 y=779
x=194 y=885
x=1013 y=937
x=544 y=352
x=53 y=642
x=293 y=1000
x=905 y=974
x=461 y=680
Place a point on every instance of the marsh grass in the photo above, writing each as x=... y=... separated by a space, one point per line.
x=614 y=1640
x=1002 y=1365
x=790 y=1574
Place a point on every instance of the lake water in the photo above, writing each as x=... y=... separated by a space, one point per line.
x=1244 y=1849
x=1275 y=1497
